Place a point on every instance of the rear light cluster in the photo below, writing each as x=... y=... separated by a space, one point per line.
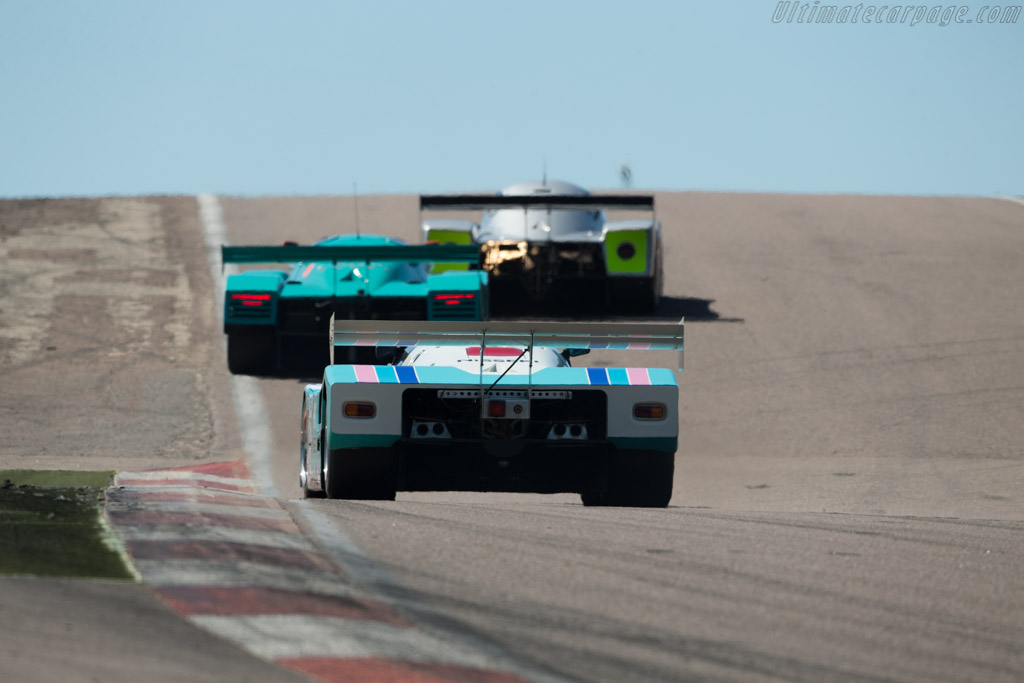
x=494 y=352
x=251 y=299
x=454 y=299
x=649 y=411
x=255 y=307
x=460 y=306
x=359 y=409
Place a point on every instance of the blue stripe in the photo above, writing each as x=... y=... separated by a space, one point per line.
x=618 y=376
x=598 y=376
x=406 y=374
x=386 y=374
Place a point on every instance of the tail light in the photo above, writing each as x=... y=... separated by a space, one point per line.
x=510 y=409
x=358 y=409
x=454 y=299
x=649 y=411
x=494 y=351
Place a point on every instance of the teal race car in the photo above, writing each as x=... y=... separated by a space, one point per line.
x=272 y=316
x=493 y=406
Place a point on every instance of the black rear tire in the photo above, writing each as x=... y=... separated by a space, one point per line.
x=304 y=458
x=251 y=353
x=641 y=479
x=361 y=473
x=639 y=296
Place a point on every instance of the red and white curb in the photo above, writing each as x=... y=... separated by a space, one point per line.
x=235 y=563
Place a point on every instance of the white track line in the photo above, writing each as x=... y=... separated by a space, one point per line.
x=257 y=440
x=281 y=636
x=255 y=429
x=384 y=588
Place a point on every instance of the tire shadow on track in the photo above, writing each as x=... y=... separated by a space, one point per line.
x=691 y=309
x=580 y=310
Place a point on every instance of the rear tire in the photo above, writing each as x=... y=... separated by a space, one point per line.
x=361 y=473
x=641 y=479
x=251 y=353
x=639 y=296
x=304 y=464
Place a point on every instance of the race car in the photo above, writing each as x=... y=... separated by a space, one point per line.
x=271 y=314
x=551 y=241
x=493 y=406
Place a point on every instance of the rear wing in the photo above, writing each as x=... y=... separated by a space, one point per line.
x=560 y=335
x=472 y=202
x=427 y=253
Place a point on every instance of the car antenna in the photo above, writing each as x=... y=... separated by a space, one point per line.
x=355 y=204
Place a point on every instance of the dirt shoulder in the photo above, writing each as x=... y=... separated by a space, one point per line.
x=109 y=360
x=107 y=339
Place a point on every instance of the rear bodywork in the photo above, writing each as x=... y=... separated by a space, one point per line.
x=552 y=239
x=270 y=315
x=609 y=434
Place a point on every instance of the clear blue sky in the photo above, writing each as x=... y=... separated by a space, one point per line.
x=306 y=97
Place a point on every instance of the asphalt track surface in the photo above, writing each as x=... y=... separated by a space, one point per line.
x=849 y=495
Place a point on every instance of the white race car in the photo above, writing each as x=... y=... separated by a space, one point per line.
x=493 y=406
x=553 y=237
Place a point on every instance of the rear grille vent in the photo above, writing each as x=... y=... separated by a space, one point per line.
x=258 y=307
x=460 y=306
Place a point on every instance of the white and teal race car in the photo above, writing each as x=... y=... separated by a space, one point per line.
x=493 y=406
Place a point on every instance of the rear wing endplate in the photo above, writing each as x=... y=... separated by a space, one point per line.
x=471 y=202
x=425 y=253
x=560 y=335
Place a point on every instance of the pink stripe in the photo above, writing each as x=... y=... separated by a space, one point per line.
x=638 y=376
x=366 y=373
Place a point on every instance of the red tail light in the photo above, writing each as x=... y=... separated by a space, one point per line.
x=251 y=297
x=354 y=409
x=499 y=351
x=496 y=409
x=252 y=303
x=453 y=298
x=649 y=411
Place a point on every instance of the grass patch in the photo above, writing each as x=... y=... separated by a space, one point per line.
x=50 y=525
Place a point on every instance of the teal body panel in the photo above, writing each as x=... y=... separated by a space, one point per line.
x=355 y=280
x=337 y=441
x=384 y=386
x=261 y=312
x=256 y=281
x=444 y=376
